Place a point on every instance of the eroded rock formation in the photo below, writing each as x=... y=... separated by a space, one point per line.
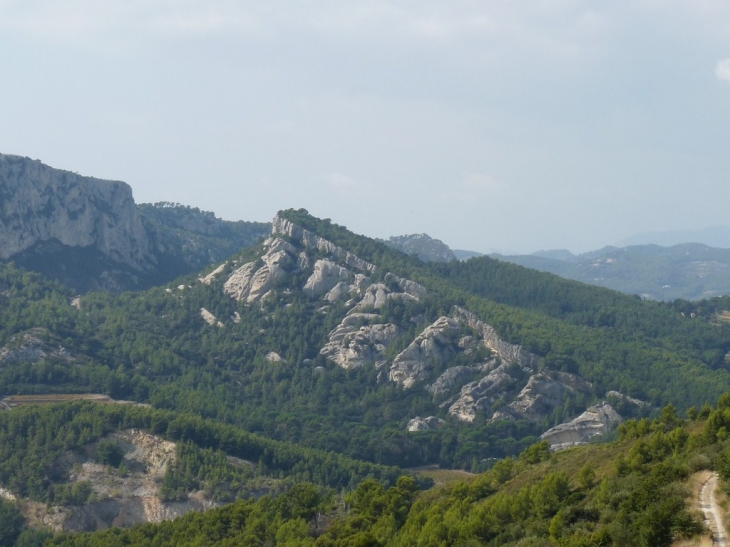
x=416 y=362
x=39 y=203
x=596 y=420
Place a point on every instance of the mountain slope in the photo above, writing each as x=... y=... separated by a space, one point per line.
x=89 y=234
x=637 y=491
x=333 y=340
x=690 y=271
x=425 y=247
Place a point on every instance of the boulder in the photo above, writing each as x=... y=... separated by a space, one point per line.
x=208 y=279
x=425 y=424
x=31 y=348
x=596 y=420
x=209 y=318
x=273 y=357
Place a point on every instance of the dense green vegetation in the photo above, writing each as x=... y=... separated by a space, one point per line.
x=192 y=238
x=633 y=492
x=33 y=438
x=153 y=347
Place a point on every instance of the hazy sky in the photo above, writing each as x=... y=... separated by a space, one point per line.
x=513 y=125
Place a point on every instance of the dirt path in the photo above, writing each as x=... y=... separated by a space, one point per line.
x=713 y=518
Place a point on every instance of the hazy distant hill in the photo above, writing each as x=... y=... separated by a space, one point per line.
x=713 y=236
x=424 y=246
x=691 y=271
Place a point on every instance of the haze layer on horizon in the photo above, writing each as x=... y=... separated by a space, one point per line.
x=489 y=125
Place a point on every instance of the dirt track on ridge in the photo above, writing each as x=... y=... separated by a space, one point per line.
x=713 y=517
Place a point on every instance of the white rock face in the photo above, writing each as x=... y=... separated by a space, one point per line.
x=351 y=346
x=451 y=378
x=38 y=203
x=411 y=288
x=208 y=279
x=30 y=348
x=325 y=277
x=510 y=353
x=338 y=292
x=596 y=420
x=251 y=282
x=620 y=396
x=544 y=392
x=416 y=361
x=122 y=501
x=281 y=226
x=481 y=394
x=425 y=424
x=273 y=357
x=209 y=318
x=376 y=295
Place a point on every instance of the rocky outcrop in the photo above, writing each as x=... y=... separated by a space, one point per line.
x=31 y=348
x=273 y=357
x=252 y=281
x=38 y=203
x=510 y=353
x=416 y=362
x=411 y=288
x=626 y=399
x=481 y=394
x=596 y=420
x=282 y=226
x=352 y=344
x=450 y=379
x=208 y=279
x=545 y=391
x=325 y=277
x=124 y=500
x=209 y=318
x=425 y=424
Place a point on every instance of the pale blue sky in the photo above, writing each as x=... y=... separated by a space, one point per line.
x=512 y=125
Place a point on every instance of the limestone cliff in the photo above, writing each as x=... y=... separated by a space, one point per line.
x=41 y=204
x=89 y=234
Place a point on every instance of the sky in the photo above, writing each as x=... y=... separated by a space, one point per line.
x=505 y=125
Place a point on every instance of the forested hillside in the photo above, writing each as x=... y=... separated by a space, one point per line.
x=474 y=345
x=641 y=490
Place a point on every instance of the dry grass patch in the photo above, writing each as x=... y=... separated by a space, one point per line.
x=442 y=477
x=702 y=541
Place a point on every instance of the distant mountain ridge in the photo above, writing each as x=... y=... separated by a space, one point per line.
x=424 y=246
x=690 y=271
x=712 y=236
